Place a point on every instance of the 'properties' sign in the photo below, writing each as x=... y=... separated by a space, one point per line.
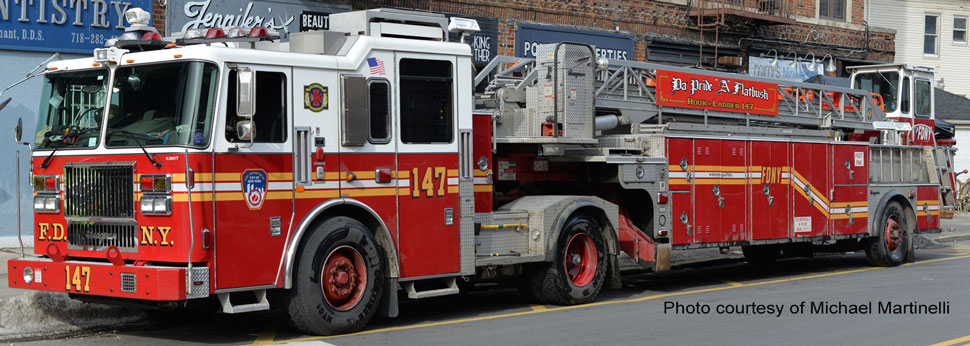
x=610 y=45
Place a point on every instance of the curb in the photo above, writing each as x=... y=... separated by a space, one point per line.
x=950 y=238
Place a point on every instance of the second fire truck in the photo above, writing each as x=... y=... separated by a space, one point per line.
x=325 y=175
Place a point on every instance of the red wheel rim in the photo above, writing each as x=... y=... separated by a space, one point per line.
x=344 y=278
x=892 y=234
x=580 y=259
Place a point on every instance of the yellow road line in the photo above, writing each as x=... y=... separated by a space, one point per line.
x=611 y=302
x=266 y=337
x=537 y=307
x=732 y=283
x=953 y=341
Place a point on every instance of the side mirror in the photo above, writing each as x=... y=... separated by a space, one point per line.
x=18 y=131
x=245 y=92
x=244 y=130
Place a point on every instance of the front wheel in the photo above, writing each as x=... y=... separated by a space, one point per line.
x=578 y=270
x=338 y=281
x=893 y=242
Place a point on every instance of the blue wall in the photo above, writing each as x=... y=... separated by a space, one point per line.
x=24 y=101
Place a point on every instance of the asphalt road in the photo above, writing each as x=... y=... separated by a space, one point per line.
x=635 y=314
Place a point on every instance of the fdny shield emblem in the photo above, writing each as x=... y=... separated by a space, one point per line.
x=315 y=97
x=254 y=187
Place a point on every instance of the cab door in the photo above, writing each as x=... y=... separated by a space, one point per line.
x=427 y=141
x=368 y=167
x=253 y=189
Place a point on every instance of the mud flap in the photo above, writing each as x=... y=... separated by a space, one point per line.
x=389 y=302
x=613 y=273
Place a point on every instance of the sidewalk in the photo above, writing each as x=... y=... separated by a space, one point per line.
x=955 y=229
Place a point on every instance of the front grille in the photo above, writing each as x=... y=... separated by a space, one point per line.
x=129 y=283
x=98 y=236
x=99 y=191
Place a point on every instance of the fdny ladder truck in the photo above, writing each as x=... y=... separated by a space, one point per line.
x=325 y=175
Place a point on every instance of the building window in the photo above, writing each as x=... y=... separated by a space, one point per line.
x=931 y=35
x=426 y=101
x=831 y=9
x=959 y=29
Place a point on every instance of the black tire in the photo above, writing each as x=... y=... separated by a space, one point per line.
x=551 y=283
x=761 y=254
x=890 y=248
x=308 y=309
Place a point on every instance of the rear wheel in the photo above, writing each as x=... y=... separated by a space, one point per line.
x=893 y=242
x=578 y=270
x=338 y=281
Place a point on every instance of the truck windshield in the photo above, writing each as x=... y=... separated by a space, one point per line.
x=882 y=83
x=162 y=105
x=70 y=110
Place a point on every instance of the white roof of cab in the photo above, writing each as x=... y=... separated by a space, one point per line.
x=361 y=48
x=893 y=65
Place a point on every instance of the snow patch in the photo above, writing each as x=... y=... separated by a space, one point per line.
x=50 y=313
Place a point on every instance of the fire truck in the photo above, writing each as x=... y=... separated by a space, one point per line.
x=334 y=174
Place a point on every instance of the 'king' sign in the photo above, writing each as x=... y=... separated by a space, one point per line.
x=677 y=89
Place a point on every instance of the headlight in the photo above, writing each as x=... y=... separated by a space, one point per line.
x=28 y=275
x=47 y=203
x=39 y=203
x=161 y=205
x=146 y=205
x=156 y=205
x=50 y=203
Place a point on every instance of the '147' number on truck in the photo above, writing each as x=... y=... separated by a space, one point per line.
x=426 y=182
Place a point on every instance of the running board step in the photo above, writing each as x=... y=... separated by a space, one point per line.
x=262 y=303
x=415 y=294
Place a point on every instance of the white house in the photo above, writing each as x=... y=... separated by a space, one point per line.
x=934 y=33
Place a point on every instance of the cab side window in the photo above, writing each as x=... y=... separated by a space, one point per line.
x=426 y=101
x=923 y=94
x=270 y=118
x=379 y=107
x=904 y=100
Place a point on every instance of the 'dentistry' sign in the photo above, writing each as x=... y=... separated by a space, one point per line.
x=70 y=26
x=283 y=17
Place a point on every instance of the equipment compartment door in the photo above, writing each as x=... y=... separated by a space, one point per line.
x=770 y=172
x=850 y=207
x=707 y=190
x=428 y=153
x=732 y=183
x=850 y=210
x=810 y=176
x=253 y=186
x=681 y=166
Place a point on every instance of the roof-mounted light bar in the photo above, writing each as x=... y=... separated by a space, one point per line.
x=233 y=34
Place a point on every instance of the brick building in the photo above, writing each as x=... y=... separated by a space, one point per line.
x=712 y=34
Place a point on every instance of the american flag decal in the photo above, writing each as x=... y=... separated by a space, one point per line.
x=376 y=66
